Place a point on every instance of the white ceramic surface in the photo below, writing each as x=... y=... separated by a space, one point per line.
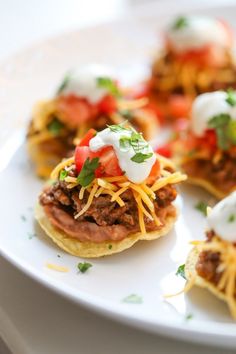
x=147 y=269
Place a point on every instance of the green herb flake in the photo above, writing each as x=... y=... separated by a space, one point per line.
x=231 y=97
x=232 y=218
x=58 y=255
x=117 y=128
x=23 y=218
x=220 y=123
x=181 y=271
x=55 y=127
x=133 y=299
x=189 y=317
x=109 y=247
x=64 y=83
x=87 y=174
x=180 y=22
x=139 y=157
x=110 y=85
x=124 y=143
x=202 y=207
x=83 y=267
x=31 y=235
x=63 y=175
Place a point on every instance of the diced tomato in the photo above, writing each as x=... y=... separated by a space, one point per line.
x=165 y=150
x=88 y=136
x=109 y=165
x=155 y=172
x=107 y=105
x=75 y=110
x=179 y=106
x=209 y=140
x=108 y=162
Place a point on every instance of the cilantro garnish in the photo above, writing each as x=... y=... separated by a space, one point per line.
x=202 y=207
x=180 y=22
x=181 y=271
x=231 y=97
x=64 y=83
x=108 y=84
x=133 y=299
x=116 y=128
x=23 y=218
x=124 y=143
x=232 y=218
x=63 y=175
x=55 y=127
x=87 y=174
x=139 y=157
x=110 y=247
x=83 y=267
x=189 y=317
x=225 y=129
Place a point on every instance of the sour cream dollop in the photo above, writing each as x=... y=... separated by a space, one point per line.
x=222 y=218
x=83 y=82
x=197 y=32
x=208 y=105
x=134 y=171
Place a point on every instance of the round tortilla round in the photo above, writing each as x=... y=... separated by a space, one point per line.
x=219 y=194
x=199 y=281
x=92 y=249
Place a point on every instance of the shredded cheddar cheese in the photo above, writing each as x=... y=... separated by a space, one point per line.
x=227 y=268
x=57 y=268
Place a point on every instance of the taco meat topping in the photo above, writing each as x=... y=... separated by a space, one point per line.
x=104 y=220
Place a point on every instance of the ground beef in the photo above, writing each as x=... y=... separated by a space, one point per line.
x=208 y=263
x=104 y=220
x=221 y=174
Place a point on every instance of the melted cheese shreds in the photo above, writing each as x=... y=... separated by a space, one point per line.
x=173 y=178
x=118 y=193
x=102 y=183
x=89 y=202
x=143 y=195
x=57 y=268
x=81 y=192
x=61 y=166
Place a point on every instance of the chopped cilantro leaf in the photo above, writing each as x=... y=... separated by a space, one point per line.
x=110 y=247
x=83 y=267
x=181 y=271
x=124 y=143
x=133 y=299
x=64 y=83
x=202 y=207
x=108 y=84
x=232 y=218
x=139 y=157
x=231 y=131
x=220 y=123
x=55 y=127
x=116 y=128
x=231 y=97
x=189 y=317
x=63 y=175
x=23 y=218
x=180 y=23
x=87 y=174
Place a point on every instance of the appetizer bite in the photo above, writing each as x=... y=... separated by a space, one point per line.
x=206 y=149
x=87 y=98
x=197 y=58
x=113 y=192
x=212 y=263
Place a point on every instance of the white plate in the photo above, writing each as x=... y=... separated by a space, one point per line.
x=147 y=269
